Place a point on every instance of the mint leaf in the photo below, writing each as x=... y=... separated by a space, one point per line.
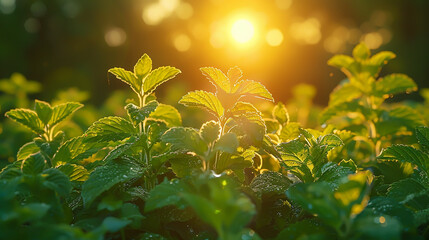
x=280 y=113
x=33 y=165
x=361 y=52
x=210 y=131
x=27 y=118
x=394 y=84
x=382 y=58
x=185 y=139
x=26 y=150
x=252 y=88
x=158 y=77
x=62 y=111
x=105 y=177
x=234 y=74
x=110 y=129
x=74 y=172
x=128 y=78
x=167 y=113
x=404 y=153
x=44 y=111
x=205 y=100
x=165 y=194
x=57 y=181
x=143 y=68
x=422 y=134
x=75 y=150
x=217 y=78
x=138 y=115
x=227 y=143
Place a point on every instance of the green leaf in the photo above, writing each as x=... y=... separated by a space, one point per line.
x=361 y=52
x=371 y=227
x=388 y=206
x=316 y=198
x=210 y=131
x=422 y=134
x=165 y=194
x=76 y=149
x=398 y=118
x=27 y=118
x=341 y=61
x=234 y=74
x=143 y=67
x=138 y=115
x=290 y=131
x=74 y=172
x=110 y=203
x=280 y=113
x=410 y=192
x=57 y=181
x=394 y=84
x=382 y=58
x=167 y=113
x=33 y=165
x=185 y=165
x=404 y=153
x=334 y=174
x=205 y=100
x=237 y=162
x=293 y=152
x=110 y=129
x=344 y=93
x=158 y=77
x=342 y=108
x=112 y=224
x=185 y=139
x=227 y=143
x=62 y=111
x=269 y=183
x=26 y=150
x=330 y=141
x=105 y=177
x=120 y=149
x=351 y=194
x=44 y=111
x=217 y=78
x=128 y=78
x=252 y=88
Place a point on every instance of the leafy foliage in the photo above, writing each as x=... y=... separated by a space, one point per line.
x=253 y=172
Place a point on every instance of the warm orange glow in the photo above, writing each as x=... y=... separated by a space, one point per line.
x=274 y=37
x=242 y=31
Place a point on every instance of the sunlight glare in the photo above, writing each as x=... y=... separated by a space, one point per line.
x=242 y=31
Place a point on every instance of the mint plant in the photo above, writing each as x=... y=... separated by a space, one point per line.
x=252 y=172
x=359 y=100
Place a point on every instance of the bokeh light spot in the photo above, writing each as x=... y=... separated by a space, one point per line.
x=115 y=37
x=153 y=14
x=184 y=10
x=373 y=40
x=242 y=31
x=32 y=25
x=306 y=32
x=382 y=219
x=7 y=6
x=182 y=43
x=274 y=37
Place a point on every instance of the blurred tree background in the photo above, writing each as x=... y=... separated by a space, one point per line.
x=72 y=43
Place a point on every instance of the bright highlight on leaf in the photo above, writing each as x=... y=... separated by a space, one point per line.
x=242 y=30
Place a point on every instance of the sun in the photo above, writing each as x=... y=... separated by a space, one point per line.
x=242 y=30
